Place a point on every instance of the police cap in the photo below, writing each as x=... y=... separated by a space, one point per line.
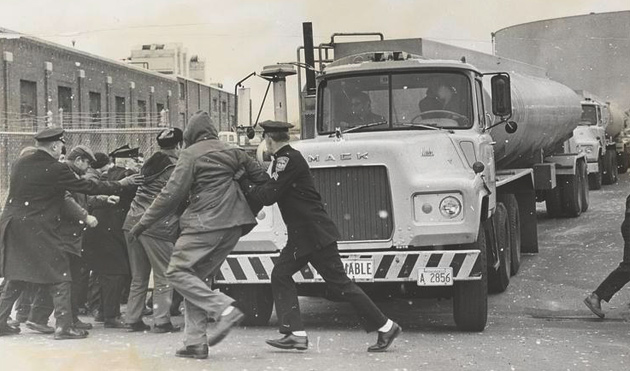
x=50 y=134
x=101 y=160
x=125 y=152
x=170 y=137
x=271 y=126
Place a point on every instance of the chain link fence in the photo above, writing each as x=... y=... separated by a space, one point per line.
x=103 y=140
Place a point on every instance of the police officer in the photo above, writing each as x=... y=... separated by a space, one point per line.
x=312 y=238
x=29 y=237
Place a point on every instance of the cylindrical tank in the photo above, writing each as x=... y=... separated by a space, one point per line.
x=546 y=113
x=615 y=121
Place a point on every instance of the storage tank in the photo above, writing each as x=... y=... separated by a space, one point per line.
x=616 y=120
x=546 y=113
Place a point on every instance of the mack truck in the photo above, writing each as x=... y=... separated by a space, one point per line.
x=439 y=202
x=594 y=137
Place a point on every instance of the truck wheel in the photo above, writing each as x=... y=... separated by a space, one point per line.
x=571 y=195
x=514 y=223
x=470 y=298
x=615 y=168
x=584 y=182
x=610 y=168
x=553 y=202
x=256 y=301
x=622 y=162
x=595 y=179
x=499 y=278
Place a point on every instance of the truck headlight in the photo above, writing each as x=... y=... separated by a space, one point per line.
x=586 y=149
x=450 y=207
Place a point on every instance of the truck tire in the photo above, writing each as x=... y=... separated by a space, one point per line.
x=514 y=223
x=470 y=298
x=582 y=170
x=571 y=195
x=610 y=168
x=499 y=278
x=553 y=202
x=256 y=301
x=595 y=179
x=623 y=160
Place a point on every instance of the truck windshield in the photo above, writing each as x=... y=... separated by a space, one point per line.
x=589 y=115
x=402 y=101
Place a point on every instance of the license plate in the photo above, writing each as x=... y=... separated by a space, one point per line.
x=435 y=276
x=361 y=269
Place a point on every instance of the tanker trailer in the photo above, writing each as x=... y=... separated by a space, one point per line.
x=418 y=198
x=618 y=131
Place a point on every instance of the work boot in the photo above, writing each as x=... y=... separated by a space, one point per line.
x=385 y=339
x=593 y=302
x=290 y=341
x=138 y=327
x=164 y=328
x=8 y=330
x=70 y=333
x=198 y=351
x=115 y=322
x=224 y=324
x=42 y=328
x=82 y=325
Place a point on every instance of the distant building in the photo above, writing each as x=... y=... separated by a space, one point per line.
x=169 y=59
x=197 y=68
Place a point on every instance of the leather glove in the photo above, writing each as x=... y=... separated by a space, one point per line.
x=136 y=231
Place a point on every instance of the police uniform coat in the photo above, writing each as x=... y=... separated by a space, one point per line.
x=105 y=247
x=30 y=243
x=291 y=185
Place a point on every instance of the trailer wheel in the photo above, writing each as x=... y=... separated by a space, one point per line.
x=553 y=202
x=514 y=223
x=582 y=170
x=623 y=160
x=470 y=298
x=499 y=278
x=571 y=195
x=256 y=301
x=610 y=168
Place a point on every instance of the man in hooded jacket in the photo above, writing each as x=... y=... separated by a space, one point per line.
x=216 y=217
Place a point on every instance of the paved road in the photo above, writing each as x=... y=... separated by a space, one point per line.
x=539 y=323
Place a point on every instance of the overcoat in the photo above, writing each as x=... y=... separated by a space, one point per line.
x=105 y=247
x=30 y=243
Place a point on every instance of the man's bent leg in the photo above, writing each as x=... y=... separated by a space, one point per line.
x=285 y=293
x=140 y=271
x=196 y=323
x=43 y=305
x=11 y=292
x=60 y=293
x=159 y=254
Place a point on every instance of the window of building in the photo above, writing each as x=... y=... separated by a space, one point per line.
x=142 y=113
x=28 y=103
x=215 y=104
x=146 y=47
x=121 y=112
x=182 y=90
x=159 y=47
x=182 y=120
x=95 y=108
x=64 y=97
x=161 y=116
x=223 y=106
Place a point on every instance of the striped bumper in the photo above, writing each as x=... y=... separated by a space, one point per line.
x=387 y=266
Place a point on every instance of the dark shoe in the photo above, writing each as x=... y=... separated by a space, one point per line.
x=115 y=323
x=290 y=341
x=199 y=351
x=82 y=325
x=98 y=316
x=43 y=328
x=166 y=327
x=5 y=329
x=385 y=339
x=138 y=326
x=224 y=325
x=593 y=302
x=70 y=333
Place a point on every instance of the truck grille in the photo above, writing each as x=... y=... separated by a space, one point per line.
x=358 y=199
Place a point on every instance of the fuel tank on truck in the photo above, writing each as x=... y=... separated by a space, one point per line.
x=615 y=121
x=546 y=113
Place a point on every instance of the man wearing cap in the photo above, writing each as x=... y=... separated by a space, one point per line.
x=216 y=217
x=153 y=249
x=312 y=238
x=105 y=245
x=30 y=243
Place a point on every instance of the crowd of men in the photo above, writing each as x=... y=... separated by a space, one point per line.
x=90 y=229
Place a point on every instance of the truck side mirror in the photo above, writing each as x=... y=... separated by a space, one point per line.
x=501 y=95
x=251 y=133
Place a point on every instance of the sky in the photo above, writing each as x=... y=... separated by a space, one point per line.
x=237 y=37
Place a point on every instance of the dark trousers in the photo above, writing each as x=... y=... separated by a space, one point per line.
x=42 y=307
x=621 y=275
x=60 y=292
x=77 y=272
x=328 y=264
x=94 y=293
x=112 y=286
